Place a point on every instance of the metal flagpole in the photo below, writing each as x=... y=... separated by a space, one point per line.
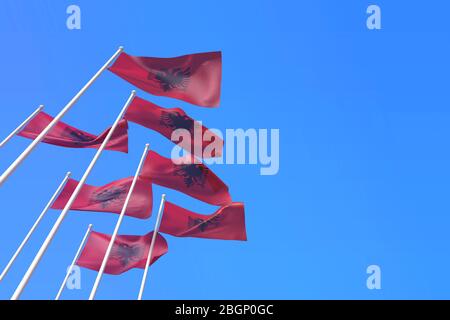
x=152 y=245
x=21 y=126
x=69 y=271
x=36 y=224
x=119 y=222
x=42 y=135
x=66 y=209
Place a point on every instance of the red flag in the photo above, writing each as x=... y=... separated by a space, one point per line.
x=166 y=121
x=193 y=179
x=67 y=136
x=110 y=198
x=227 y=223
x=128 y=252
x=194 y=78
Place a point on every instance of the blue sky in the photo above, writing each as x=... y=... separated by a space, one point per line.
x=363 y=118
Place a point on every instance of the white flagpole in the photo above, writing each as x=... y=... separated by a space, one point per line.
x=66 y=209
x=33 y=228
x=21 y=126
x=152 y=245
x=69 y=271
x=42 y=135
x=119 y=222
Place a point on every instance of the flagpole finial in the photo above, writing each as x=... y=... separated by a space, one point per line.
x=68 y=174
x=147 y=145
x=164 y=196
x=90 y=226
x=133 y=92
x=41 y=107
x=121 y=48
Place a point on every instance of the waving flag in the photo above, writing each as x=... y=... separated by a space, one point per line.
x=128 y=252
x=110 y=198
x=67 y=136
x=194 y=78
x=166 y=121
x=195 y=180
x=227 y=223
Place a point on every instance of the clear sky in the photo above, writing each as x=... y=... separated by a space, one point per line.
x=364 y=124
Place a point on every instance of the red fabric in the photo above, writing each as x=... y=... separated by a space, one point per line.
x=67 y=136
x=128 y=252
x=195 y=180
x=194 y=78
x=227 y=223
x=110 y=198
x=166 y=121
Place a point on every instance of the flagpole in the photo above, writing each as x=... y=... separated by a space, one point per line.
x=21 y=126
x=119 y=222
x=152 y=245
x=66 y=209
x=69 y=271
x=42 y=135
x=36 y=224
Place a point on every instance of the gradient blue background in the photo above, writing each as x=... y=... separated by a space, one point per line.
x=364 y=124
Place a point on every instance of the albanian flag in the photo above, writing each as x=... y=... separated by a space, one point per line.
x=67 y=136
x=193 y=179
x=194 y=78
x=128 y=252
x=227 y=223
x=166 y=121
x=110 y=198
